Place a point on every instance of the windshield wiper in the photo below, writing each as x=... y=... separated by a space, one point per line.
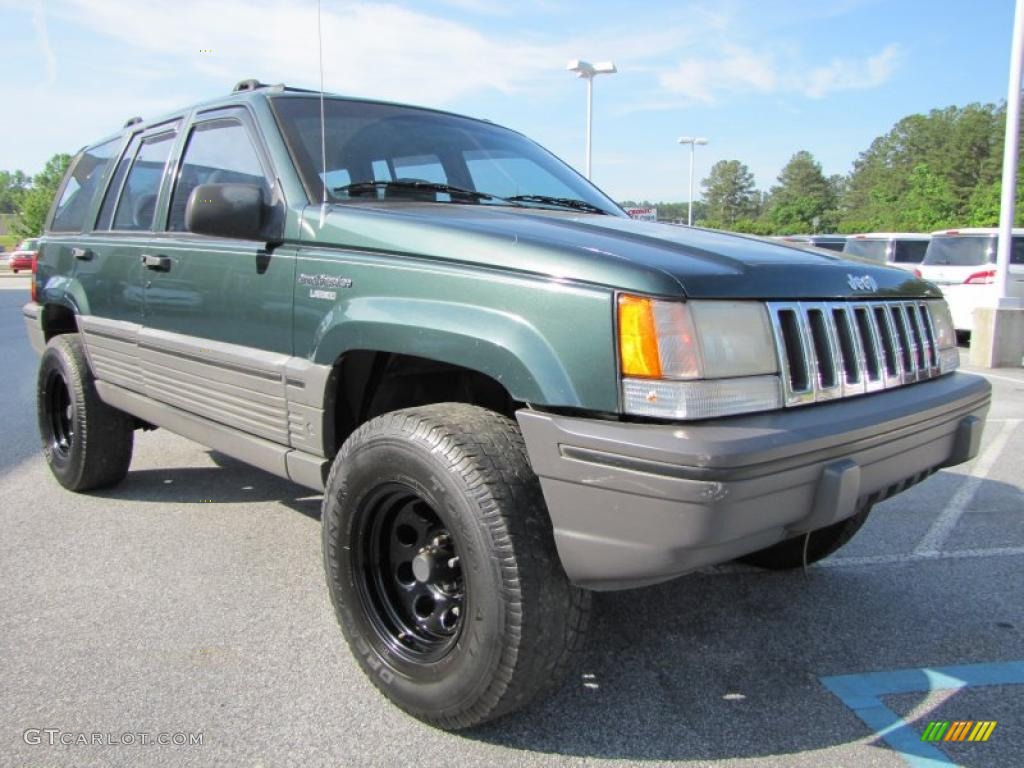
x=560 y=202
x=429 y=186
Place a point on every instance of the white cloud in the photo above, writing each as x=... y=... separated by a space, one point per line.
x=43 y=40
x=703 y=78
x=369 y=48
x=846 y=75
x=742 y=70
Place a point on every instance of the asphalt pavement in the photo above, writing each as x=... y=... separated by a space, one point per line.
x=189 y=601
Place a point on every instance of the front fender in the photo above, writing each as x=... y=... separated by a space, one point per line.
x=499 y=344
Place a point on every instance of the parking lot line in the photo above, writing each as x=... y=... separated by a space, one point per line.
x=863 y=694
x=950 y=516
x=998 y=377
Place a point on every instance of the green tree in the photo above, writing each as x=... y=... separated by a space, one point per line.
x=34 y=203
x=929 y=202
x=804 y=200
x=12 y=186
x=961 y=146
x=729 y=194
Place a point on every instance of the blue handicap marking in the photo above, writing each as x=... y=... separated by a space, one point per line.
x=863 y=694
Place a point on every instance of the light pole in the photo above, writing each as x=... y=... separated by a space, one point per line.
x=588 y=72
x=693 y=142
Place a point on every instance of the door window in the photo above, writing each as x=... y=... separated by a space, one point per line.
x=218 y=152
x=136 y=208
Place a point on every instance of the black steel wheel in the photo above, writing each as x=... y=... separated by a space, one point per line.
x=87 y=444
x=441 y=565
x=409 y=574
x=59 y=413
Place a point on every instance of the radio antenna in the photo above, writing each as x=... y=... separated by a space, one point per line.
x=323 y=131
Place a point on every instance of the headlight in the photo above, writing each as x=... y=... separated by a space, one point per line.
x=945 y=336
x=696 y=360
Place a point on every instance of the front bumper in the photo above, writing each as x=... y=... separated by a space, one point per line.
x=33 y=315
x=634 y=504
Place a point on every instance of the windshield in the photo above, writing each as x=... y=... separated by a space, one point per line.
x=867 y=249
x=961 y=251
x=28 y=245
x=374 y=150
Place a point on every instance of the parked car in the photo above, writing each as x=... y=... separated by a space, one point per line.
x=509 y=392
x=21 y=257
x=962 y=263
x=828 y=242
x=897 y=249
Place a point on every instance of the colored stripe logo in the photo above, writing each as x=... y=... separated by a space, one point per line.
x=958 y=730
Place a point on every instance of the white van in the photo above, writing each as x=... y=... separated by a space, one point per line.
x=962 y=263
x=897 y=249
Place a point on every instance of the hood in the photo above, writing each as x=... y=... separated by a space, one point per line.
x=618 y=252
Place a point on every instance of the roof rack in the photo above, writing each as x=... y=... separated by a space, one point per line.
x=132 y=121
x=253 y=84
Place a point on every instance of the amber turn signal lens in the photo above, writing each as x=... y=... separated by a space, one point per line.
x=638 y=337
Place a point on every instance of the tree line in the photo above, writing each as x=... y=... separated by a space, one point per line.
x=928 y=172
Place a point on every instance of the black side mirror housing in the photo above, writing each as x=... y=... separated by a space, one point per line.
x=229 y=210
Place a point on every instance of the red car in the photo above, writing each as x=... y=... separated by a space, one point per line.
x=21 y=257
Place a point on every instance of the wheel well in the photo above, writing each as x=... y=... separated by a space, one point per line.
x=58 y=319
x=365 y=384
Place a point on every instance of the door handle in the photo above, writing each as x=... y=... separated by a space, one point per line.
x=156 y=263
x=82 y=254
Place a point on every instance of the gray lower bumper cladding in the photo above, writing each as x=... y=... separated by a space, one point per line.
x=635 y=504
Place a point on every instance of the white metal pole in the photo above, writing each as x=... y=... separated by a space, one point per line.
x=590 y=108
x=1006 y=209
x=689 y=210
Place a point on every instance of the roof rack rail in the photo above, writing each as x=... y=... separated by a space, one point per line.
x=252 y=84
x=248 y=85
x=132 y=121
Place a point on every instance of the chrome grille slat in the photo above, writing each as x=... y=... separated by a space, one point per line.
x=832 y=349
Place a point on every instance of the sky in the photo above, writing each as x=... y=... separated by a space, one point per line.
x=761 y=79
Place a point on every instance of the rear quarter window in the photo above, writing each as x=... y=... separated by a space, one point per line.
x=81 y=184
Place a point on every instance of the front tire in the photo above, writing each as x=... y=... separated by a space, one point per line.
x=442 y=568
x=789 y=554
x=87 y=444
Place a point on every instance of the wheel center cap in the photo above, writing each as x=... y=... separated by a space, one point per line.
x=422 y=567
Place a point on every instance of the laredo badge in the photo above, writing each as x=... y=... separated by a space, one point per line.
x=320 y=285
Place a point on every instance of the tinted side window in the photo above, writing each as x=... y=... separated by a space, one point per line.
x=1017 y=251
x=218 y=152
x=106 y=215
x=137 y=206
x=910 y=251
x=81 y=185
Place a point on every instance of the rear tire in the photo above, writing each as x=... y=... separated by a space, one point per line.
x=441 y=565
x=87 y=444
x=789 y=554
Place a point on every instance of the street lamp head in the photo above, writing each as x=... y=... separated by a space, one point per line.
x=581 y=68
x=587 y=70
x=700 y=141
x=686 y=139
x=692 y=140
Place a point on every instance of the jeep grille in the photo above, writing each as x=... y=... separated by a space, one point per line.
x=832 y=349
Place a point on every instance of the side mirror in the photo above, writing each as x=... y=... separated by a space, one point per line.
x=227 y=210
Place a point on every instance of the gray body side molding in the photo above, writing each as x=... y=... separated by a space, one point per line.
x=261 y=407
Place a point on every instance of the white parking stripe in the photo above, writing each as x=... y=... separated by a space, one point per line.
x=950 y=516
x=839 y=562
x=1000 y=378
x=852 y=562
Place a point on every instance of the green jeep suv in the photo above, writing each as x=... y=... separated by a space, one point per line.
x=509 y=393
